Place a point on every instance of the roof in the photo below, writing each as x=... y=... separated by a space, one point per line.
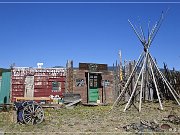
x=4 y=70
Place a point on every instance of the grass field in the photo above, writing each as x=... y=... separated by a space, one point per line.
x=91 y=120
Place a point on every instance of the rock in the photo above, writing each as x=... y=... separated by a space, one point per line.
x=171 y=118
x=165 y=126
x=174 y=130
x=116 y=129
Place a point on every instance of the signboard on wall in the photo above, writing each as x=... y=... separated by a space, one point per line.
x=93 y=67
x=21 y=71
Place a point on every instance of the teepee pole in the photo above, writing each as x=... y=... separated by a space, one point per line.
x=140 y=99
x=129 y=79
x=142 y=82
x=164 y=80
x=142 y=32
x=157 y=91
x=142 y=69
x=157 y=26
x=148 y=32
x=137 y=34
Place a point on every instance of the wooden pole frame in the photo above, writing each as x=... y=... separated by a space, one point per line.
x=148 y=66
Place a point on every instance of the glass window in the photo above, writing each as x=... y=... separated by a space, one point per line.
x=56 y=86
x=91 y=82
x=95 y=83
x=105 y=83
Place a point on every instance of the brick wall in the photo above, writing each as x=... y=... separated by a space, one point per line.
x=82 y=89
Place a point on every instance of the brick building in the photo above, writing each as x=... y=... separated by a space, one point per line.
x=94 y=83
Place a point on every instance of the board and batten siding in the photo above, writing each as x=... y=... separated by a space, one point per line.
x=5 y=87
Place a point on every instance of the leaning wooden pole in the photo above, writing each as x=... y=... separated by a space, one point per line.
x=128 y=81
x=142 y=69
x=142 y=84
x=164 y=80
x=157 y=91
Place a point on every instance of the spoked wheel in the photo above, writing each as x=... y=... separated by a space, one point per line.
x=33 y=114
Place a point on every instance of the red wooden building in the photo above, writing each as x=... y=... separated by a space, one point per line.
x=37 y=82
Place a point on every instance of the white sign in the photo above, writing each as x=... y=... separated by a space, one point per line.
x=38 y=71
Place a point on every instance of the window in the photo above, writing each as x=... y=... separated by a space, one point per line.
x=56 y=86
x=105 y=83
x=79 y=82
x=93 y=81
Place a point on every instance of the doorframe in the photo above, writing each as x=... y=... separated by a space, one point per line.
x=88 y=73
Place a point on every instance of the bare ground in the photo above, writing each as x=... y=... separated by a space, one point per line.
x=93 y=120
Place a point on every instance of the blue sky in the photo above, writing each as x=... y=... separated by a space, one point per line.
x=52 y=33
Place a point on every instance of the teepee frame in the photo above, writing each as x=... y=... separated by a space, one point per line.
x=147 y=65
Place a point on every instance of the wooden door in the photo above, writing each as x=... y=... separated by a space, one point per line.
x=93 y=94
x=29 y=86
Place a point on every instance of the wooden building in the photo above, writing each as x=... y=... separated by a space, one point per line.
x=37 y=82
x=5 y=75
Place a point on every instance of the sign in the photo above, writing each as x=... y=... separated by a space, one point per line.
x=93 y=67
x=21 y=71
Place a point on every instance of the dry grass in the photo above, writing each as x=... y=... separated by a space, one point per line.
x=90 y=120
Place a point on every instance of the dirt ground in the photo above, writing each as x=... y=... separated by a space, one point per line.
x=93 y=120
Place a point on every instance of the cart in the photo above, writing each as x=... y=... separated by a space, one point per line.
x=29 y=112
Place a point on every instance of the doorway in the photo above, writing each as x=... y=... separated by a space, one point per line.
x=94 y=84
x=29 y=86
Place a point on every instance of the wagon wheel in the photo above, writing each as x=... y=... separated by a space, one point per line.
x=33 y=114
x=25 y=103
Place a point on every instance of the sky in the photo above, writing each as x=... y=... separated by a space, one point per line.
x=53 y=33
